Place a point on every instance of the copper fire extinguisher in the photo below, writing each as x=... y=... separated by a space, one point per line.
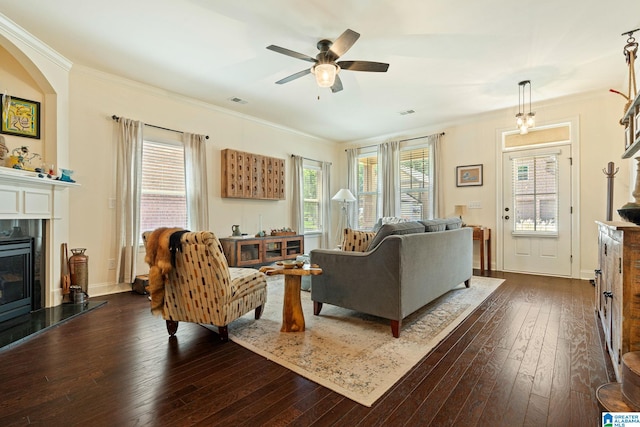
x=79 y=269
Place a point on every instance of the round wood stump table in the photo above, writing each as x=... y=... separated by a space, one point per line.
x=292 y=315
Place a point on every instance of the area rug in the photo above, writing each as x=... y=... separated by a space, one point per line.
x=352 y=353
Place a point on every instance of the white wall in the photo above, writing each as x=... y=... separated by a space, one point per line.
x=95 y=97
x=600 y=140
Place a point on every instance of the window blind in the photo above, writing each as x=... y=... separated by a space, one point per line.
x=367 y=190
x=416 y=184
x=312 y=187
x=163 y=197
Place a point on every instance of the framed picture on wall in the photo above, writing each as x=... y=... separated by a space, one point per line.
x=20 y=117
x=469 y=175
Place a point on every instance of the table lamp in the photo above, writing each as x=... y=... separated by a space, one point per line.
x=460 y=211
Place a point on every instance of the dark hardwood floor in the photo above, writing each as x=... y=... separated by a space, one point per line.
x=531 y=355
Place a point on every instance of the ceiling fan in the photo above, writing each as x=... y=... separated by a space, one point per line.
x=325 y=67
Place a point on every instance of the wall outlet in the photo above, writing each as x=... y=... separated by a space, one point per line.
x=111 y=264
x=112 y=203
x=474 y=205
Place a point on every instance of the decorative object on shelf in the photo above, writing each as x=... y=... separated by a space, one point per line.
x=235 y=230
x=6 y=102
x=629 y=51
x=468 y=175
x=3 y=148
x=610 y=173
x=21 y=117
x=252 y=176
x=18 y=157
x=66 y=175
x=528 y=120
x=631 y=211
x=631 y=113
x=284 y=231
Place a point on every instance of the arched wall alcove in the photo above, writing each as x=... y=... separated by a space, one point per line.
x=50 y=72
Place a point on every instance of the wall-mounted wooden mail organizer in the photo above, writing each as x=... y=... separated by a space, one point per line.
x=252 y=176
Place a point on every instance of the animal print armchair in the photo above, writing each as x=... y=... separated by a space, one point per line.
x=199 y=286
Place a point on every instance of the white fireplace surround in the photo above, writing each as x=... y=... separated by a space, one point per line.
x=23 y=195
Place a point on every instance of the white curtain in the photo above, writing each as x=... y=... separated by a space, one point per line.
x=297 y=203
x=195 y=173
x=352 y=185
x=389 y=170
x=128 y=188
x=326 y=205
x=438 y=194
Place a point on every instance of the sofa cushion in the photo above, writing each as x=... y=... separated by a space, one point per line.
x=391 y=229
x=437 y=224
x=356 y=240
x=387 y=220
x=453 y=223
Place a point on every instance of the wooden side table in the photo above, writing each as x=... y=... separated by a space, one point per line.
x=483 y=234
x=292 y=315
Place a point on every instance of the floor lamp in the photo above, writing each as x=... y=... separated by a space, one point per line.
x=344 y=196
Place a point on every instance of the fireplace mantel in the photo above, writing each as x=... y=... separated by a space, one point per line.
x=24 y=195
x=19 y=176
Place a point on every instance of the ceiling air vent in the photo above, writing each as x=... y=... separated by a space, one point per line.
x=404 y=113
x=238 y=100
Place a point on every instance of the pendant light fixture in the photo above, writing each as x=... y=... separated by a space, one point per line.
x=524 y=121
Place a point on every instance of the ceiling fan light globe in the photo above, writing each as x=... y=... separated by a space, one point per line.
x=325 y=74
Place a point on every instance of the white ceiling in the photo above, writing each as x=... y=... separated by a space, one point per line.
x=448 y=59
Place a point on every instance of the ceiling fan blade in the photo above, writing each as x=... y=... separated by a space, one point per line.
x=294 y=76
x=337 y=85
x=291 y=53
x=377 y=67
x=343 y=43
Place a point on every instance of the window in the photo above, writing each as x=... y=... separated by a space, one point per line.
x=416 y=185
x=163 y=200
x=367 y=190
x=535 y=194
x=312 y=189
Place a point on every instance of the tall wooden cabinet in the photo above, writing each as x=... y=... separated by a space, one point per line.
x=618 y=288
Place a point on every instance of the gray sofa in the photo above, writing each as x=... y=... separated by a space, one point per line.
x=405 y=270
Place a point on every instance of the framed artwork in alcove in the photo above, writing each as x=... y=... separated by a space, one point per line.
x=20 y=117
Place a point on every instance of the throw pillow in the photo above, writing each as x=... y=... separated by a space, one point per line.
x=356 y=240
x=391 y=229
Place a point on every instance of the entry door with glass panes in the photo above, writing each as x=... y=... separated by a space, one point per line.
x=537 y=211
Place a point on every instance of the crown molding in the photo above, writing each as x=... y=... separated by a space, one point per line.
x=134 y=84
x=11 y=30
